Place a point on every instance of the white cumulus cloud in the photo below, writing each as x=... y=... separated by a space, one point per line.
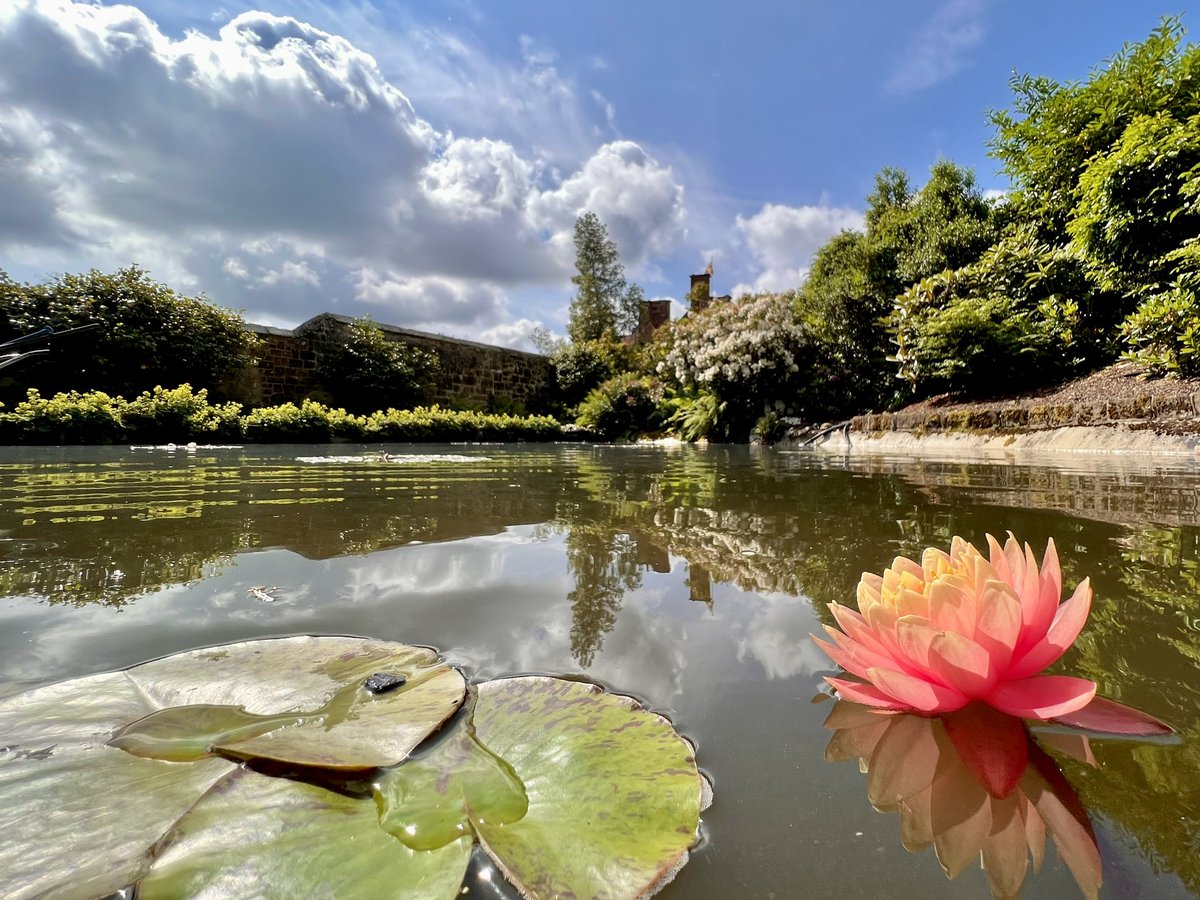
x=783 y=239
x=274 y=166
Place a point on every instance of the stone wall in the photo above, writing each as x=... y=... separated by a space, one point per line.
x=475 y=374
x=1010 y=418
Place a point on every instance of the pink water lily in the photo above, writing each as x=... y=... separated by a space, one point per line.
x=933 y=637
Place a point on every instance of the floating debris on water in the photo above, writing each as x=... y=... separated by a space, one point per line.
x=263 y=593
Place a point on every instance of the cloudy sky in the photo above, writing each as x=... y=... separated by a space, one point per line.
x=424 y=162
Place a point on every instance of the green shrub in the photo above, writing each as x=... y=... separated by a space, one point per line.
x=695 y=415
x=446 y=425
x=578 y=369
x=310 y=422
x=624 y=407
x=1163 y=333
x=369 y=371
x=148 y=335
x=179 y=416
x=68 y=418
x=977 y=346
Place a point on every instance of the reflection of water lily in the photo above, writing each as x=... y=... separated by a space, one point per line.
x=915 y=767
x=932 y=637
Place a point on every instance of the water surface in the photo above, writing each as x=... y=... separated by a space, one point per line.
x=688 y=578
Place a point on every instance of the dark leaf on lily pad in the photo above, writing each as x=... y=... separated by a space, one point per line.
x=255 y=836
x=614 y=794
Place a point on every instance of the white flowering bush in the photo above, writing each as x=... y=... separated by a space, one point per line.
x=752 y=354
x=734 y=346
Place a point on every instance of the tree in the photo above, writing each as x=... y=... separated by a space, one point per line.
x=604 y=303
x=848 y=298
x=148 y=335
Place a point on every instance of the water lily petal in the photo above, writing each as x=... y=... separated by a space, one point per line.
x=934 y=562
x=1039 y=618
x=1068 y=622
x=883 y=623
x=998 y=559
x=911 y=603
x=1005 y=859
x=999 y=624
x=1076 y=746
x=856 y=628
x=866 y=694
x=869 y=587
x=1040 y=697
x=904 y=761
x=854 y=658
x=1106 y=715
x=902 y=565
x=1015 y=560
x=1035 y=832
x=915 y=634
x=994 y=746
x=950 y=605
x=916 y=693
x=958 y=661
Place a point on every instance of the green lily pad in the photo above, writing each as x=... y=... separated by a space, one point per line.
x=79 y=816
x=344 y=726
x=133 y=778
x=614 y=792
x=429 y=802
x=256 y=836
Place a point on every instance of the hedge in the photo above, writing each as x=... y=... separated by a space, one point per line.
x=181 y=415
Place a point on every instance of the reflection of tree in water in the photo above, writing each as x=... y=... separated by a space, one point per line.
x=605 y=566
x=1142 y=645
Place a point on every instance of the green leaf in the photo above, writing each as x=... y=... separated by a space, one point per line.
x=306 y=701
x=614 y=793
x=255 y=836
x=429 y=802
x=79 y=818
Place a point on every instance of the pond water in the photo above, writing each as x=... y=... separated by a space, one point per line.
x=689 y=578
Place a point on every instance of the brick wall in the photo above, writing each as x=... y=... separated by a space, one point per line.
x=472 y=373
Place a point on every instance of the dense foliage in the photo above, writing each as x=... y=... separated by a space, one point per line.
x=1093 y=252
x=366 y=370
x=147 y=335
x=624 y=407
x=181 y=415
x=604 y=305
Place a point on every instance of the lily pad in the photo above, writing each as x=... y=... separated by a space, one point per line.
x=255 y=836
x=614 y=792
x=135 y=779
x=345 y=726
x=79 y=816
x=429 y=802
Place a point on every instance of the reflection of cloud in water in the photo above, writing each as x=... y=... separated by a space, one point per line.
x=496 y=604
x=777 y=636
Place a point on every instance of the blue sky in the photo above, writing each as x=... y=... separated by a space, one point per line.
x=422 y=163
